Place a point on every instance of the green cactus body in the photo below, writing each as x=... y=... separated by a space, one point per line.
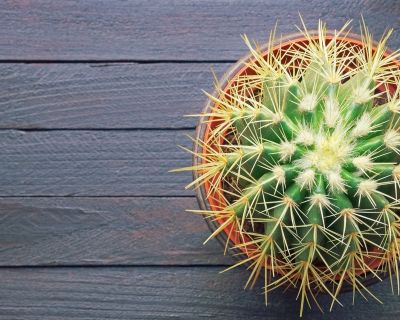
x=313 y=159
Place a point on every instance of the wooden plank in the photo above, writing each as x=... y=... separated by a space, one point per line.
x=166 y=29
x=93 y=163
x=104 y=231
x=161 y=293
x=128 y=95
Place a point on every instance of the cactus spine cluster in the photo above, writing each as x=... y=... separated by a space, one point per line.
x=303 y=157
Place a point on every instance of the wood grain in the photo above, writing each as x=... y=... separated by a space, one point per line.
x=104 y=231
x=166 y=29
x=161 y=293
x=103 y=96
x=93 y=163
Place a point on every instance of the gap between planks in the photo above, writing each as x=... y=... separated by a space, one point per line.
x=113 y=61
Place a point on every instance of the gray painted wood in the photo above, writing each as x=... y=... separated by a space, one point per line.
x=104 y=231
x=93 y=163
x=98 y=96
x=166 y=29
x=161 y=293
x=118 y=226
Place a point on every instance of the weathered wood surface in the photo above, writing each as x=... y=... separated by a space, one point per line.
x=93 y=163
x=166 y=29
x=160 y=293
x=85 y=149
x=103 y=96
x=104 y=231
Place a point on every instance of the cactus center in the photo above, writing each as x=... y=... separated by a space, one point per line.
x=327 y=153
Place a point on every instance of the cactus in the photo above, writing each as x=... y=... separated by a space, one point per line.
x=303 y=157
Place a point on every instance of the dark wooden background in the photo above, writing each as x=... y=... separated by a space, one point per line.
x=92 y=98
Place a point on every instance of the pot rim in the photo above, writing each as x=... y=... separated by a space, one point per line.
x=202 y=127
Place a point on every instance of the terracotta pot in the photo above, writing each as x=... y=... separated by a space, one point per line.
x=230 y=233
